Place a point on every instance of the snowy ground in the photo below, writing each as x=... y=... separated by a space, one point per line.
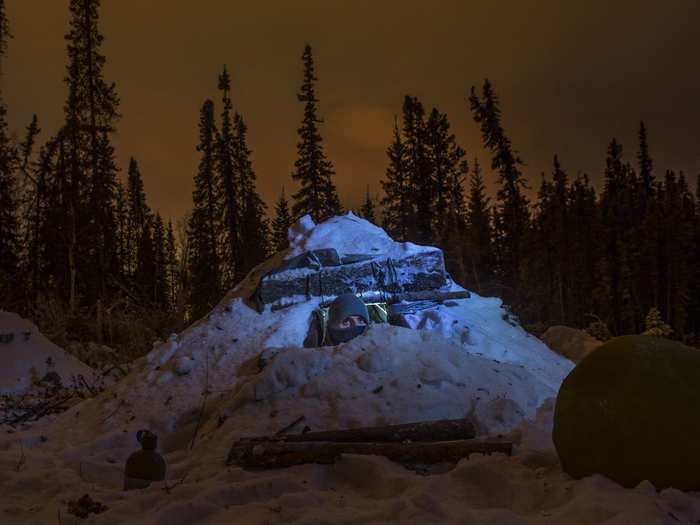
x=202 y=389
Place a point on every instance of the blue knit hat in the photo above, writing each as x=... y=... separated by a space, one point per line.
x=344 y=306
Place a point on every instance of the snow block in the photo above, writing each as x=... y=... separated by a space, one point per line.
x=629 y=411
x=304 y=276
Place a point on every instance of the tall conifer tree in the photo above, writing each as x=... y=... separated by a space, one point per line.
x=478 y=252
x=254 y=227
x=512 y=213
x=9 y=201
x=420 y=178
x=317 y=195
x=138 y=215
x=204 y=275
x=171 y=262
x=160 y=263
x=397 y=202
x=228 y=181
x=91 y=113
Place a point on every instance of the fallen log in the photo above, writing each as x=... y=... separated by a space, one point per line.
x=440 y=430
x=275 y=454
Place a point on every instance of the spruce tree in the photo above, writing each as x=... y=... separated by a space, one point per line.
x=317 y=195
x=616 y=292
x=171 y=264
x=550 y=249
x=229 y=188
x=645 y=235
x=160 y=263
x=584 y=237
x=145 y=271
x=204 y=277
x=254 y=227
x=10 y=241
x=137 y=216
x=122 y=221
x=281 y=224
x=367 y=209
x=91 y=113
x=678 y=272
x=447 y=174
x=646 y=176
x=397 y=202
x=478 y=252
x=512 y=213
x=420 y=178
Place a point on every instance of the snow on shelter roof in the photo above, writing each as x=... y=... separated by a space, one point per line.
x=348 y=234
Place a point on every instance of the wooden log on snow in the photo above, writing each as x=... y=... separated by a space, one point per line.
x=274 y=454
x=439 y=430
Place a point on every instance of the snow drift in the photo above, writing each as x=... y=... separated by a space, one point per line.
x=27 y=356
x=204 y=388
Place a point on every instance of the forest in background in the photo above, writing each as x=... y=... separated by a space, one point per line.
x=85 y=257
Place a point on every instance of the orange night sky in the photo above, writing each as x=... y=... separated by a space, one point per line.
x=570 y=75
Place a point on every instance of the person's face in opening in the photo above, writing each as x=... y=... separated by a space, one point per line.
x=352 y=321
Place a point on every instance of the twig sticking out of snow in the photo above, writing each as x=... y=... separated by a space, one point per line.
x=290 y=426
x=169 y=488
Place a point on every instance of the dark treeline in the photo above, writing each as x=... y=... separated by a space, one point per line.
x=572 y=257
x=86 y=257
x=82 y=255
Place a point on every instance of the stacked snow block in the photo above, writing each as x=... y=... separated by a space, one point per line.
x=323 y=273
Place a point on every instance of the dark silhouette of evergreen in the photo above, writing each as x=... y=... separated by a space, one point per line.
x=677 y=252
x=620 y=307
x=171 y=267
x=160 y=263
x=447 y=168
x=397 y=201
x=511 y=215
x=584 y=226
x=202 y=230
x=477 y=251
x=121 y=210
x=145 y=271
x=228 y=181
x=10 y=240
x=91 y=112
x=317 y=195
x=254 y=226
x=367 y=209
x=137 y=217
x=420 y=180
x=280 y=224
x=646 y=176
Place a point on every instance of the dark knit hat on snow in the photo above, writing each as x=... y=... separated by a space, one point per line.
x=344 y=306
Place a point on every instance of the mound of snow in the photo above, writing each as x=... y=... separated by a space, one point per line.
x=571 y=343
x=27 y=355
x=203 y=389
